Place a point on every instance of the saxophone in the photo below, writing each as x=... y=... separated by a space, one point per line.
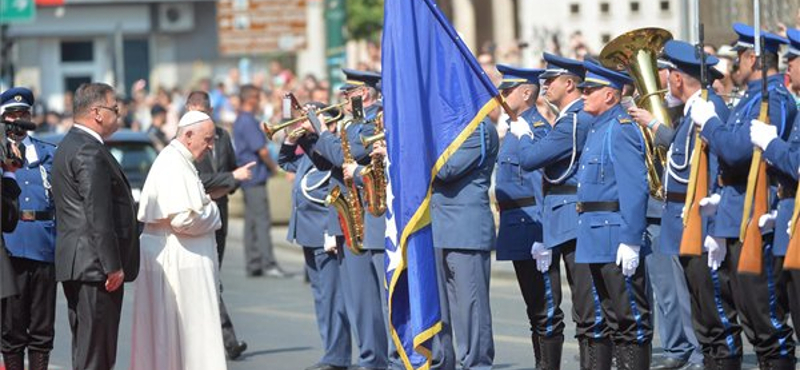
x=374 y=175
x=348 y=205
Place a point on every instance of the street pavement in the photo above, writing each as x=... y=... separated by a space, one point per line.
x=276 y=316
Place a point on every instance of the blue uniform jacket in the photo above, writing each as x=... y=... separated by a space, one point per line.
x=461 y=217
x=327 y=155
x=680 y=153
x=612 y=169
x=730 y=142
x=519 y=227
x=309 y=218
x=784 y=157
x=554 y=153
x=35 y=240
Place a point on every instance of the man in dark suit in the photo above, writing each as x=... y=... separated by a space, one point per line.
x=220 y=177
x=97 y=246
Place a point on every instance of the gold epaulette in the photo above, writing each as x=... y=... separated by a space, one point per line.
x=538 y=124
x=624 y=120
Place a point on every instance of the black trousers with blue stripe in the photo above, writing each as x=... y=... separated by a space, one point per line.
x=624 y=303
x=714 y=316
x=542 y=295
x=763 y=305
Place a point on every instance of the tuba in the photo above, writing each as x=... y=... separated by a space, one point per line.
x=348 y=205
x=374 y=175
x=636 y=51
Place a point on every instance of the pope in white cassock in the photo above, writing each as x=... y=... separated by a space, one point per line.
x=176 y=321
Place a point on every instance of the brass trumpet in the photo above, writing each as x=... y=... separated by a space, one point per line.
x=270 y=130
x=369 y=140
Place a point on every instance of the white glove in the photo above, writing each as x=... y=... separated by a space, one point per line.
x=542 y=255
x=520 y=127
x=702 y=111
x=717 y=249
x=708 y=205
x=628 y=258
x=767 y=221
x=329 y=243
x=761 y=134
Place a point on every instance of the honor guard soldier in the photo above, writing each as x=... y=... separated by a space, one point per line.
x=715 y=320
x=759 y=301
x=782 y=156
x=363 y=274
x=612 y=221
x=28 y=318
x=519 y=197
x=558 y=154
x=307 y=227
x=464 y=234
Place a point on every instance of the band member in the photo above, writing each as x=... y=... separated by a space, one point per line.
x=307 y=227
x=519 y=236
x=759 y=298
x=29 y=318
x=558 y=154
x=612 y=207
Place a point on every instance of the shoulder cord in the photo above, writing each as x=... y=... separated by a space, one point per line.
x=306 y=189
x=673 y=167
x=572 y=157
x=45 y=182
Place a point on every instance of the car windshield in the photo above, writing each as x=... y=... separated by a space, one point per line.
x=135 y=158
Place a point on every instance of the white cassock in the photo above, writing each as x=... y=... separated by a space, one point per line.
x=176 y=321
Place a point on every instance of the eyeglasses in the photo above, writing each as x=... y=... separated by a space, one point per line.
x=114 y=109
x=590 y=90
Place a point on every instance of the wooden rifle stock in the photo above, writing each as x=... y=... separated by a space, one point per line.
x=697 y=189
x=792 y=259
x=756 y=198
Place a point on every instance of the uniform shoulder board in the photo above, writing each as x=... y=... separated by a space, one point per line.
x=624 y=120
x=538 y=124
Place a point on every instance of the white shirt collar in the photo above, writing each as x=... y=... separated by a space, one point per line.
x=563 y=111
x=90 y=131
x=691 y=101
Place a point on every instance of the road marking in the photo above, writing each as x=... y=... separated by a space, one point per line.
x=275 y=312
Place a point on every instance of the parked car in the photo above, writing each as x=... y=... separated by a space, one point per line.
x=133 y=150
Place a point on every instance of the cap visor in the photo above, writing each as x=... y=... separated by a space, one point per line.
x=550 y=74
x=586 y=84
x=15 y=107
x=507 y=85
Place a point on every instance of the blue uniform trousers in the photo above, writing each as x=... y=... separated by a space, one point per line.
x=363 y=292
x=334 y=327
x=672 y=308
x=763 y=304
x=464 y=297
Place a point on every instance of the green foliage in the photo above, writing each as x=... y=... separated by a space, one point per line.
x=364 y=19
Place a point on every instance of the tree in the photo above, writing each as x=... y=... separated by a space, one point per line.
x=364 y=19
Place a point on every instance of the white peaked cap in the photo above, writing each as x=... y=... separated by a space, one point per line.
x=192 y=117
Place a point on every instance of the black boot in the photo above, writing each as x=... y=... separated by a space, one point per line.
x=633 y=356
x=776 y=364
x=551 y=352
x=14 y=360
x=734 y=363
x=38 y=360
x=595 y=354
x=537 y=352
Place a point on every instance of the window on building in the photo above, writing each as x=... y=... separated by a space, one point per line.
x=664 y=4
x=77 y=51
x=605 y=38
x=605 y=8
x=634 y=6
x=574 y=8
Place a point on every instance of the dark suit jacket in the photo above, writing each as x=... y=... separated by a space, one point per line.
x=97 y=230
x=216 y=169
x=10 y=217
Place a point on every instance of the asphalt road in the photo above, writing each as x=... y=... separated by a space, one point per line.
x=276 y=316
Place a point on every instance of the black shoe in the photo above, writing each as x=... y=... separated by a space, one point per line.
x=236 y=351
x=666 y=363
x=255 y=273
x=360 y=368
x=326 y=367
x=275 y=272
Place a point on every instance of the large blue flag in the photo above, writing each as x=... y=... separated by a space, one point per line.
x=435 y=94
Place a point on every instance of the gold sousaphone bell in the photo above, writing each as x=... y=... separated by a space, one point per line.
x=637 y=52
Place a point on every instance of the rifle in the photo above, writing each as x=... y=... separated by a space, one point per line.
x=756 y=198
x=697 y=189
